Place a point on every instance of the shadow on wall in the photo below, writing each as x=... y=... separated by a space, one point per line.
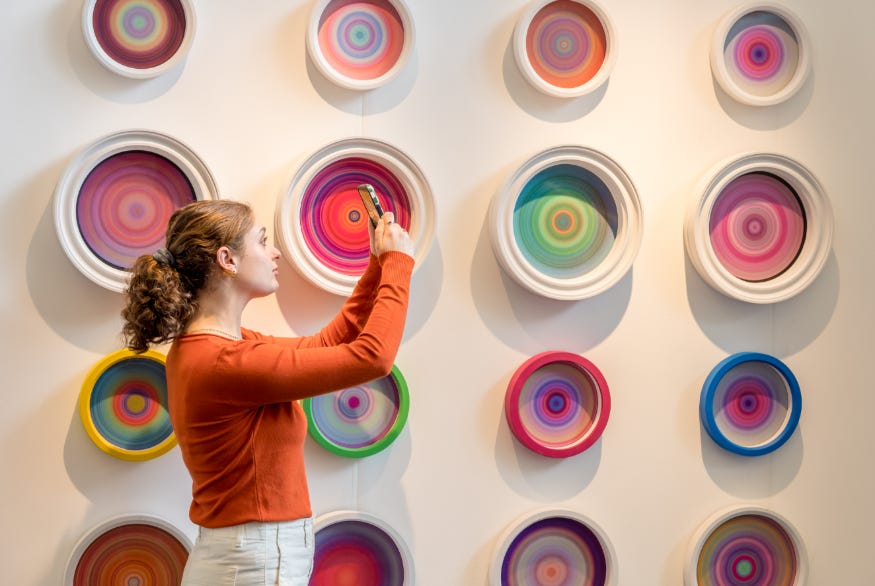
x=766 y=118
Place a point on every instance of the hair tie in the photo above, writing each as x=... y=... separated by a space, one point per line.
x=165 y=257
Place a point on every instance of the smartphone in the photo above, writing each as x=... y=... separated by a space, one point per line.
x=371 y=201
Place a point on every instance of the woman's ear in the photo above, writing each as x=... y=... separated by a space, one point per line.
x=227 y=261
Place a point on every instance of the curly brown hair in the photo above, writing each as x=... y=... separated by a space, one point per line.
x=162 y=294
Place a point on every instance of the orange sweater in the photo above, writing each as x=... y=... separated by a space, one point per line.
x=233 y=404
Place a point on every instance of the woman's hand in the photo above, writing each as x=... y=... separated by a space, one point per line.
x=390 y=236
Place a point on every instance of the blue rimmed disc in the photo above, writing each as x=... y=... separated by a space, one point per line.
x=362 y=420
x=750 y=403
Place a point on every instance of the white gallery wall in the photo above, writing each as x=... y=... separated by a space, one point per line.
x=249 y=102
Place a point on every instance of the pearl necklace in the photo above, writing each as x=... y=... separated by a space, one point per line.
x=222 y=333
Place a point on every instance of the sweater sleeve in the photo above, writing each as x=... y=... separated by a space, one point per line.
x=261 y=371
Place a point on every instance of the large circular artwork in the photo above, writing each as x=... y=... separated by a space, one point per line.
x=553 y=547
x=362 y=420
x=114 y=200
x=321 y=224
x=130 y=550
x=760 y=54
x=746 y=546
x=564 y=48
x=123 y=405
x=557 y=404
x=138 y=38
x=567 y=224
x=358 y=548
x=360 y=44
x=750 y=403
x=761 y=230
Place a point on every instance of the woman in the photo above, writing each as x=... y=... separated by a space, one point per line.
x=233 y=392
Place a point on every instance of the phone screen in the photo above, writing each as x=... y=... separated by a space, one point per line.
x=372 y=203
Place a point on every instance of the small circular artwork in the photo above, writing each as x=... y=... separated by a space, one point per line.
x=360 y=44
x=138 y=38
x=750 y=403
x=114 y=200
x=123 y=405
x=553 y=546
x=760 y=54
x=362 y=420
x=746 y=545
x=321 y=224
x=564 y=48
x=130 y=550
x=557 y=404
x=567 y=224
x=358 y=548
x=761 y=230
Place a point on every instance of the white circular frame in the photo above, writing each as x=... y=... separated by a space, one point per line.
x=626 y=242
x=132 y=72
x=539 y=83
x=67 y=193
x=815 y=247
x=328 y=519
x=118 y=521
x=720 y=517
x=523 y=522
x=718 y=63
x=327 y=70
x=288 y=211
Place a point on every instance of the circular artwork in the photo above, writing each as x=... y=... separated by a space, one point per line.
x=564 y=48
x=358 y=548
x=129 y=550
x=750 y=404
x=553 y=546
x=557 y=404
x=567 y=225
x=760 y=54
x=115 y=198
x=761 y=230
x=138 y=38
x=746 y=545
x=123 y=405
x=360 y=44
x=321 y=223
x=362 y=420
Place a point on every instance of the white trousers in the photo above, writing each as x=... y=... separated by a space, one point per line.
x=252 y=554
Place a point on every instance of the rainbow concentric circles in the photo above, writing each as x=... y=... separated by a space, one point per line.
x=123 y=405
x=553 y=547
x=760 y=54
x=362 y=420
x=132 y=550
x=358 y=548
x=360 y=44
x=757 y=226
x=557 y=404
x=564 y=48
x=750 y=403
x=746 y=546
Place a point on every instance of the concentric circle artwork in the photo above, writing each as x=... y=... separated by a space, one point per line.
x=746 y=545
x=750 y=403
x=360 y=44
x=321 y=224
x=123 y=405
x=761 y=230
x=553 y=546
x=557 y=404
x=138 y=38
x=567 y=224
x=358 y=548
x=564 y=48
x=362 y=420
x=130 y=550
x=760 y=54
x=114 y=200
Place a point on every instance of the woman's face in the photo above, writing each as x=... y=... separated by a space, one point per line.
x=257 y=264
